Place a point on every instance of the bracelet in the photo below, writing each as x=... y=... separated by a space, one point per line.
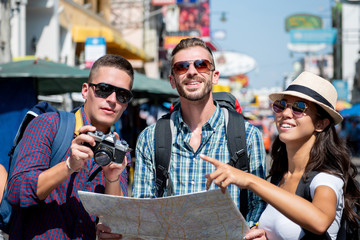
x=68 y=165
x=118 y=178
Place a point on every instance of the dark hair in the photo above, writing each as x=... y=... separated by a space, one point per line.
x=191 y=42
x=329 y=154
x=111 y=60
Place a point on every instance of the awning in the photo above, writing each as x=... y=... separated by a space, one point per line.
x=57 y=78
x=115 y=44
x=83 y=23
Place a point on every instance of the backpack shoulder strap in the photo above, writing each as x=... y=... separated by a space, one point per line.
x=32 y=113
x=60 y=146
x=236 y=138
x=303 y=190
x=163 y=143
x=63 y=137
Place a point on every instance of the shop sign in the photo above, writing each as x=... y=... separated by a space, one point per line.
x=303 y=21
x=95 y=47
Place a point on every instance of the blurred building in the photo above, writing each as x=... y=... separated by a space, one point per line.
x=346 y=19
x=350 y=41
x=57 y=30
x=309 y=36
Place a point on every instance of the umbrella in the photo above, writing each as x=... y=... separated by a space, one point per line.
x=353 y=111
x=51 y=77
x=57 y=78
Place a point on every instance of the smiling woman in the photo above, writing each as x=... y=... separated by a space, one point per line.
x=312 y=185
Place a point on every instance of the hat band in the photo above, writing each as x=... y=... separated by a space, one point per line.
x=310 y=93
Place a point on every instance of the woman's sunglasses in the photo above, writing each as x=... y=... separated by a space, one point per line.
x=201 y=65
x=104 y=90
x=298 y=108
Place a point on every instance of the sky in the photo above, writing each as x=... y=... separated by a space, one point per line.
x=257 y=28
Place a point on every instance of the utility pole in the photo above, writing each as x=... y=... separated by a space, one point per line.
x=337 y=48
x=5 y=53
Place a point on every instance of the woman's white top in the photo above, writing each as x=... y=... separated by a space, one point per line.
x=277 y=226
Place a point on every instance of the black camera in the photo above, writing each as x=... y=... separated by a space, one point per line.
x=108 y=148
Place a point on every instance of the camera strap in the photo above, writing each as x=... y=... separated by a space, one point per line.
x=78 y=121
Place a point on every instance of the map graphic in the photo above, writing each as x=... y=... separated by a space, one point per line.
x=204 y=215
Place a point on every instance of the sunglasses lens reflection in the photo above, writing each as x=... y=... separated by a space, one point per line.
x=104 y=90
x=123 y=95
x=297 y=108
x=201 y=65
x=278 y=106
x=181 y=67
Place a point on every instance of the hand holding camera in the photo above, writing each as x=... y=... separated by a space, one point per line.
x=108 y=148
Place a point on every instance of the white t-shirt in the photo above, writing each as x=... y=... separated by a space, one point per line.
x=277 y=226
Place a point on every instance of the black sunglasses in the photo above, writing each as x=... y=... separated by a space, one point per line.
x=104 y=90
x=298 y=108
x=201 y=65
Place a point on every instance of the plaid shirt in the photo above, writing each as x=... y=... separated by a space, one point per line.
x=61 y=215
x=187 y=169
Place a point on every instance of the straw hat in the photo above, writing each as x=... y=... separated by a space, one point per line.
x=315 y=89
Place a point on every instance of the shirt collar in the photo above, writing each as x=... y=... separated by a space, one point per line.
x=213 y=121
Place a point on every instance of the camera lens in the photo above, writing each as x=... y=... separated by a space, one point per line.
x=102 y=157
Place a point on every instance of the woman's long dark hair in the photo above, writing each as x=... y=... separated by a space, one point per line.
x=329 y=154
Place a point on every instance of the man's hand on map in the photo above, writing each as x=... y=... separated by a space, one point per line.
x=256 y=234
x=224 y=175
x=104 y=232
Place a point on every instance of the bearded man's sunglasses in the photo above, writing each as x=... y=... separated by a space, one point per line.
x=104 y=90
x=298 y=108
x=201 y=65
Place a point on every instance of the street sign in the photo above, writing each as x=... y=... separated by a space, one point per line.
x=306 y=47
x=342 y=89
x=327 y=36
x=303 y=21
x=95 y=47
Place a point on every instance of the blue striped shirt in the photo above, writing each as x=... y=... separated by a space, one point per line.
x=188 y=170
x=61 y=215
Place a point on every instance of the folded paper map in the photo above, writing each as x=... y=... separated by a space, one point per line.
x=204 y=215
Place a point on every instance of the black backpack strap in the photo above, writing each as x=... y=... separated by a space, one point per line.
x=303 y=190
x=163 y=143
x=236 y=138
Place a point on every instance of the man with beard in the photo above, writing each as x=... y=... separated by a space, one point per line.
x=199 y=129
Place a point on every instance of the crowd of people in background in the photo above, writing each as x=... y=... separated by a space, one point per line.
x=349 y=131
